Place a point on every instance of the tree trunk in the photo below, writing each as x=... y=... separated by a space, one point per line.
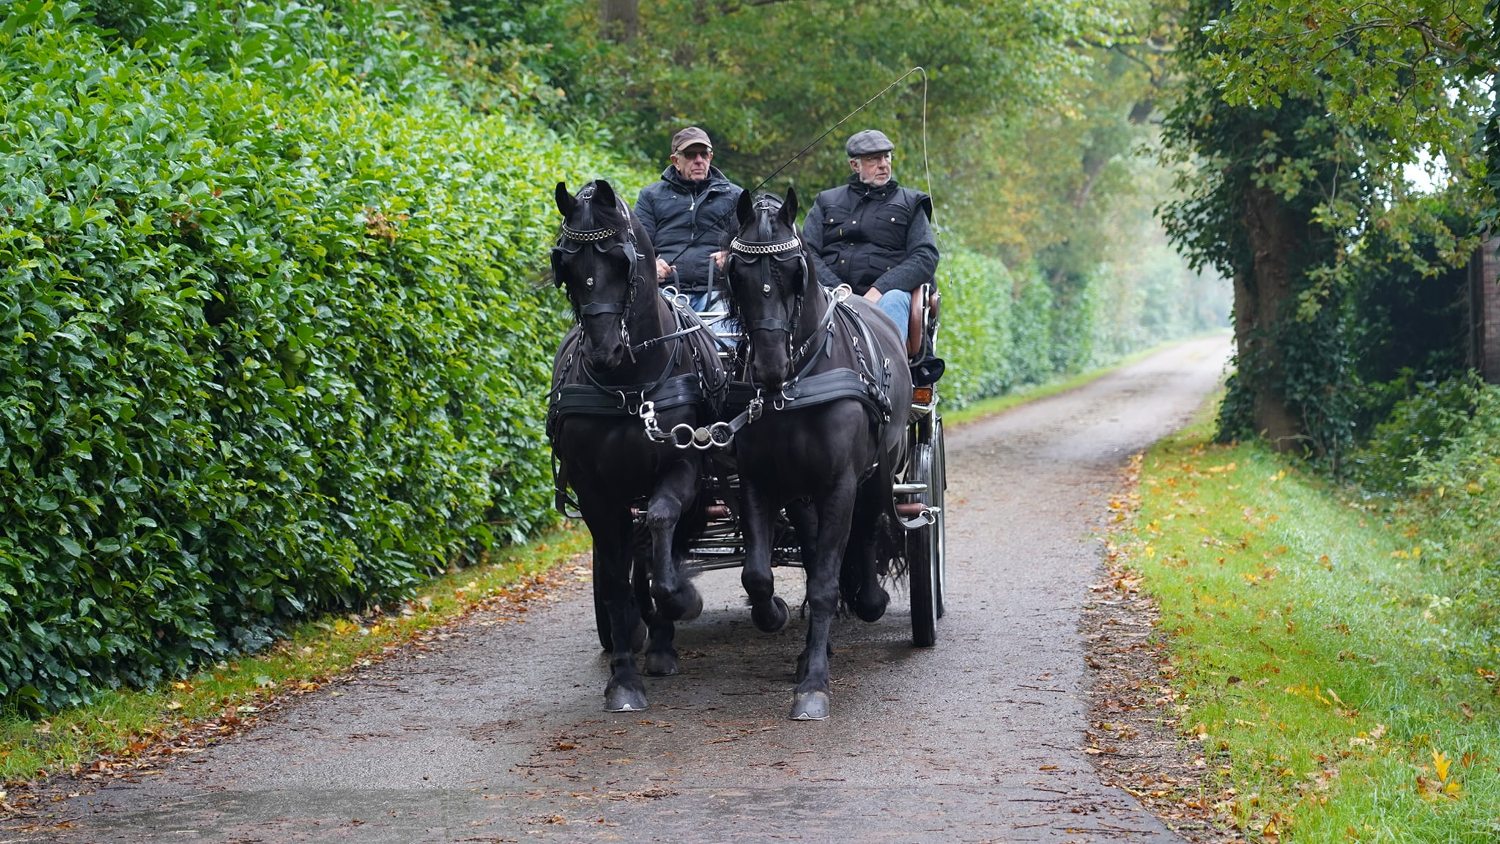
x=1259 y=296
x=620 y=20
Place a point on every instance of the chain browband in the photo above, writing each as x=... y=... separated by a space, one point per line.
x=588 y=236
x=763 y=248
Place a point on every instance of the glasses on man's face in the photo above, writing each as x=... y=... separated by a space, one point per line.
x=874 y=157
x=695 y=154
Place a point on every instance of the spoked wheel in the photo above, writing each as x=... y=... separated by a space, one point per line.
x=924 y=552
x=939 y=485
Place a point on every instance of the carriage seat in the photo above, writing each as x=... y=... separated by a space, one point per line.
x=921 y=335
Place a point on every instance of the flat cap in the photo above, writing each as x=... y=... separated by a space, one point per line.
x=689 y=136
x=868 y=142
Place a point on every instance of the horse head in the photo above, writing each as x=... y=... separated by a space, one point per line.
x=596 y=260
x=768 y=279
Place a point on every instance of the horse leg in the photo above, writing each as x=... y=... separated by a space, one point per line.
x=612 y=564
x=859 y=577
x=810 y=697
x=660 y=658
x=676 y=597
x=804 y=518
x=767 y=609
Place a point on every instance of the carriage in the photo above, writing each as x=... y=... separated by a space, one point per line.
x=918 y=493
x=808 y=444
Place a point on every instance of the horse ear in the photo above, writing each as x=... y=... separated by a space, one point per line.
x=565 y=201
x=789 y=208
x=742 y=208
x=604 y=194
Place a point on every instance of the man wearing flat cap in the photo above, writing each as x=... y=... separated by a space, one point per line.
x=687 y=214
x=871 y=233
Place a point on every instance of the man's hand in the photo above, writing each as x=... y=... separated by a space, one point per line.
x=663 y=270
x=719 y=258
x=872 y=294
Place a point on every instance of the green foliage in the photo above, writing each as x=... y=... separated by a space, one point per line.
x=269 y=341
x=1301 y=121
x=1424 y=423
x=1000 y=329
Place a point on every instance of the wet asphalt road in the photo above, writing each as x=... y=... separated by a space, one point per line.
x=499 y=734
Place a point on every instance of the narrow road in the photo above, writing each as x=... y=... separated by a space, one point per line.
x=499 y=735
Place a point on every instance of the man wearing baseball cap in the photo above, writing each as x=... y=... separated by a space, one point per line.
x=687 y=214
x=872 y=234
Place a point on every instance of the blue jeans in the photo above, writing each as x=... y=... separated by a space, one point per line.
x=896 y=304
x=726 y=330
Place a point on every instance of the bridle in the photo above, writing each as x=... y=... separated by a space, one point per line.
x=603 y=239
x=752 y=252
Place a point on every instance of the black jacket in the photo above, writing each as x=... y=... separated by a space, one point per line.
x=688 y=221
x=868 y=237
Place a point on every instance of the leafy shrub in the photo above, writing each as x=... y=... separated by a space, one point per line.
x=995 y=337
x=269 y=336
x=1439 y=450
x=1419 y=428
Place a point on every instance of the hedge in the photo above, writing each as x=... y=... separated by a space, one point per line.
x=271 y=334
x=997 y=328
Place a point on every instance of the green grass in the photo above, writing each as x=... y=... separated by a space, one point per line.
x=1316 y=654
x=127 y=723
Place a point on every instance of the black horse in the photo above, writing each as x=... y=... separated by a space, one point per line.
x=826 y=424
x=632 y=382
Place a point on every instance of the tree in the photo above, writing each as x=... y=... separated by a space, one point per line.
x=1301 y=120
x=620 y=20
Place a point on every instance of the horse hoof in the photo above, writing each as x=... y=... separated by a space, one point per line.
x=872 y=610
x=685 y=604
x=770 y=618
x=622 y=699
x=660 y=663
x=809 y=706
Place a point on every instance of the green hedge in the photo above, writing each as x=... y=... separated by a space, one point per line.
x=997 y=331
x=271 y=339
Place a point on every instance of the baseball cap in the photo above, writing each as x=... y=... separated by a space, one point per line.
x=689 y=136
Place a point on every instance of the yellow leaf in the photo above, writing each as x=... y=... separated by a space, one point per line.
x=1440 y=764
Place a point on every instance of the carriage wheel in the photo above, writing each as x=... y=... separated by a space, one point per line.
x=939 y=486
x=922 y=554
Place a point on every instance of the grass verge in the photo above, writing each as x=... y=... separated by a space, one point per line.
x=1313 y=654
x=123 y=727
